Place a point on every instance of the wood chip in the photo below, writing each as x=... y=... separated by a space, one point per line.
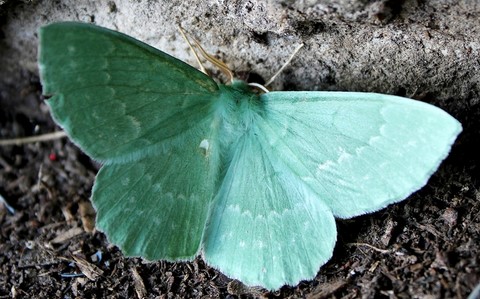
x=138 y=283
x=67 y=214
x=237 y=288
x=374 y=266
x=387 y=235
x=87 y=214
x=91 y=271
x=65 y=236
x=325 y=290
x=450 y=216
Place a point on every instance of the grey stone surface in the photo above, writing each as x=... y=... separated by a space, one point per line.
x=409 y=48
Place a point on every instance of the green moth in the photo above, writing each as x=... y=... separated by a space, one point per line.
x=250 y=182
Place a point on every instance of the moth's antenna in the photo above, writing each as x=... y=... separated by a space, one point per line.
x=259 y=86
x=284 y=65
x=202 y=68
x=218 y=63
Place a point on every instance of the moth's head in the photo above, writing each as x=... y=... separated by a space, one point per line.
x=240 y=86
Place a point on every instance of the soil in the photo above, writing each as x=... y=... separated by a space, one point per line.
x=427 y=246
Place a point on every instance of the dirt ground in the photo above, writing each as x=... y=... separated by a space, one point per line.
x=427 y=246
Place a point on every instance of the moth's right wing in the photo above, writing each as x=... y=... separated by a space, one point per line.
x=358 y=151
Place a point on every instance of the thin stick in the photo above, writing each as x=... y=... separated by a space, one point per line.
x=370 y=246
x=284 y=65
x=32 y=139
x=9 y=207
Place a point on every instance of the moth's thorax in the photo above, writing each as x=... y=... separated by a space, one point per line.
x=235 y=111
x=239 y=90
x=239 y=102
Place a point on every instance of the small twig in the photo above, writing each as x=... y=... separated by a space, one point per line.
x=5 y=165
x=32 y=139
x=71 y=275
x=7 y=206
x=371 y=247
x=138 y=283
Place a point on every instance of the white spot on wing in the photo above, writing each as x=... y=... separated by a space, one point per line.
x=136 y=125
x=259 y=244
x=157 y=187
x=205 y=146
x=325 y=165
x=373 y=140
x=344 y=156
x=125 y=181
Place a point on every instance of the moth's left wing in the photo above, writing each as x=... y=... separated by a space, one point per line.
x=358 y=152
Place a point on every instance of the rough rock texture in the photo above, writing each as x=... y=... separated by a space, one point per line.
x=427 y=50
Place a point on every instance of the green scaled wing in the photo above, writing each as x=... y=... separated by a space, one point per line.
x=359 y=152
x=115 y=96
x=156 y=207
x=268 y=228
x=148 y=117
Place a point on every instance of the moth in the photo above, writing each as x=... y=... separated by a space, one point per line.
x=251 y=182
